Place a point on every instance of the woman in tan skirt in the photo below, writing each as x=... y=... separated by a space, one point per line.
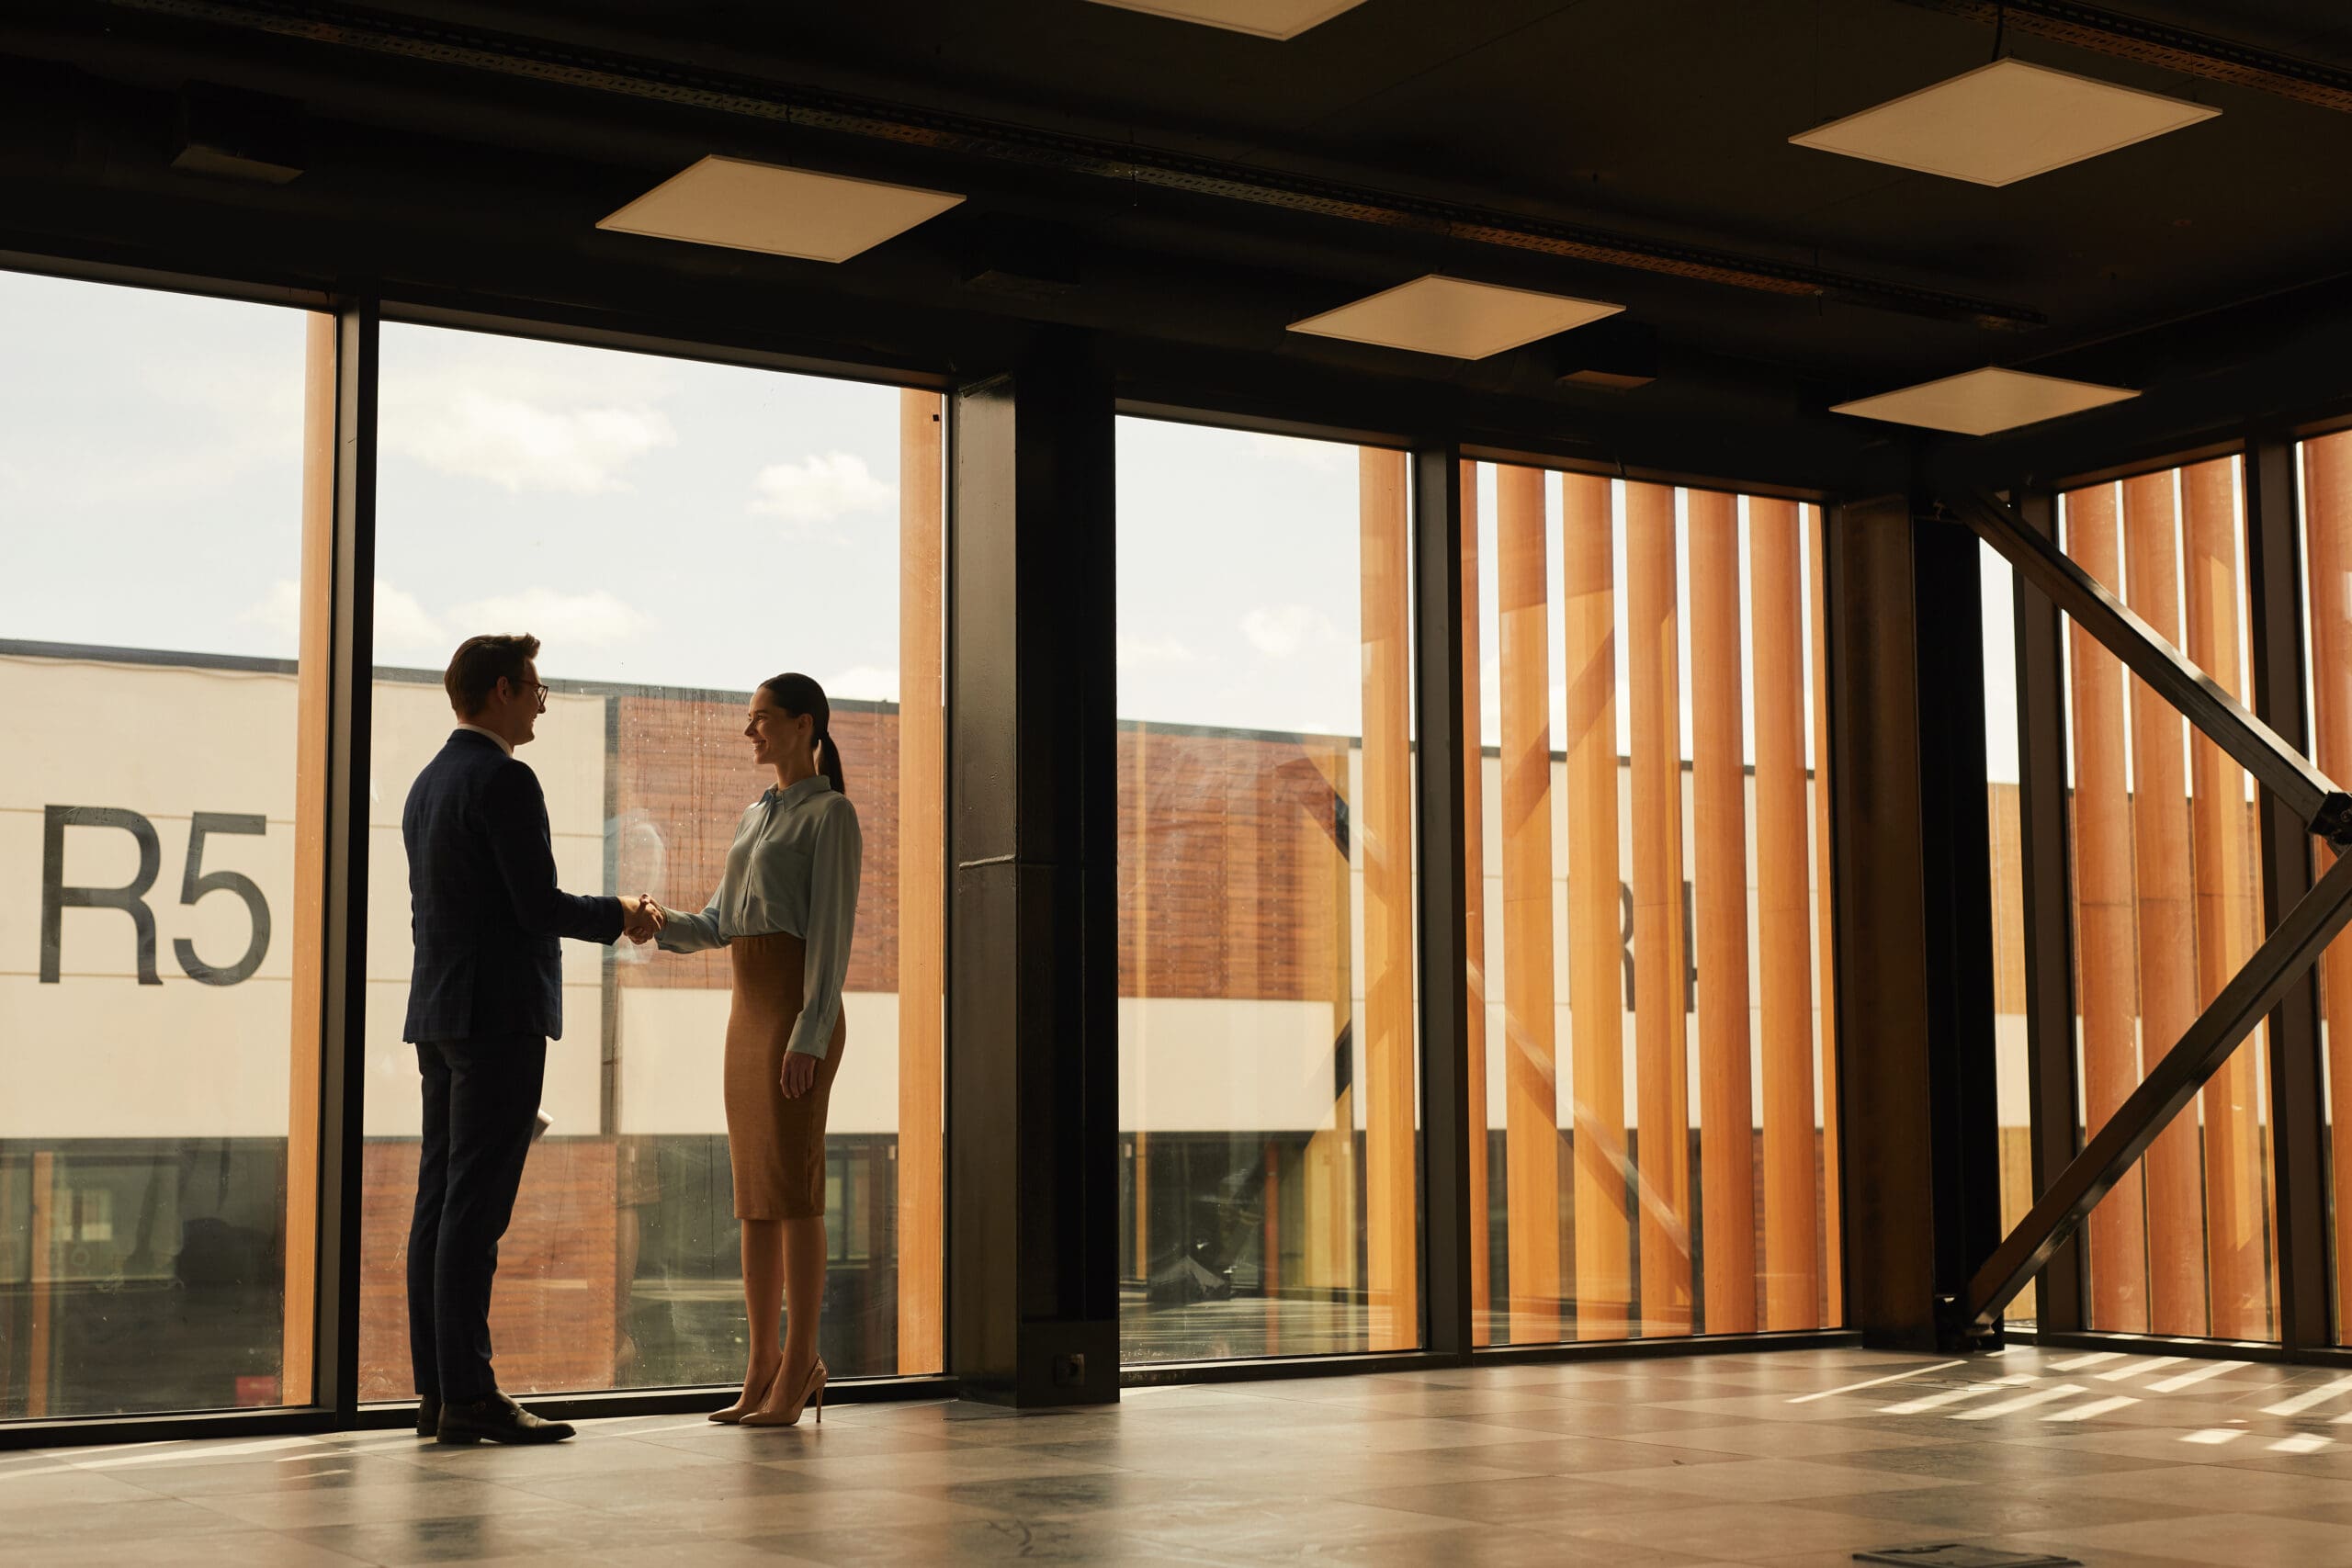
x=784 y=910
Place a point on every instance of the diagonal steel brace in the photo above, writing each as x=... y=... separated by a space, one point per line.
x=2285 y=771
x=2282 y=960
x=2279 y=963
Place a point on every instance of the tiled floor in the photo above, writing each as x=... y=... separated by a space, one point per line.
x=1795 y=1460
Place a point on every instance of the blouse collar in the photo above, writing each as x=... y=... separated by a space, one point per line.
x=812 y=784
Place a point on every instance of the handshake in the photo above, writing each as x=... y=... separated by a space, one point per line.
x=641 y=918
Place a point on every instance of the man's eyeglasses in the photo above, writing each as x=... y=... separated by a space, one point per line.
x=537 y=690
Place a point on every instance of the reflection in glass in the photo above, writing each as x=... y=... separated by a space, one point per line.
x=1267 y=1030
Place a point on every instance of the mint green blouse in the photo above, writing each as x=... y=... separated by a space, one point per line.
x=794 y=868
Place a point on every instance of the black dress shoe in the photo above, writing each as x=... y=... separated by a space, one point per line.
x=428 y=1416
x=497 y=1419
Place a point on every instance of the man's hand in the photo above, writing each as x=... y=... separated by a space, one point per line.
x=800 y=1074
x=641 y=920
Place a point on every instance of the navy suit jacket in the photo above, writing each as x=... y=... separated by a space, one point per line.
x=484 y=909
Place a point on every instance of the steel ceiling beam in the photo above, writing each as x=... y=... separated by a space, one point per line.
x=2167 y=48
x=1130 y=164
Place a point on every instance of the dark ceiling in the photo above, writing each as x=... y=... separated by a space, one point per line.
x=457 y=147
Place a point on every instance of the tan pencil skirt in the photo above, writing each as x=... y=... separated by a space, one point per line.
x=777 y=1146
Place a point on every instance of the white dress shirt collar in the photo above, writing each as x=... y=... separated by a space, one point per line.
x=478 y=730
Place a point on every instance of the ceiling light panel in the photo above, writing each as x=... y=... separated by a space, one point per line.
x=1261 y=18
x=1450 y=316
x=1981 y=401
x=784 y=212
x=2003 y=122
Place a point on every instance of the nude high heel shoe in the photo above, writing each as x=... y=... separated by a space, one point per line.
x=812 y=1389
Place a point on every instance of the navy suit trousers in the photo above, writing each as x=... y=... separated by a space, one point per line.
x=482 y=1102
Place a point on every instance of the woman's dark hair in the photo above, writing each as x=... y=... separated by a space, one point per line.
x=797 y=694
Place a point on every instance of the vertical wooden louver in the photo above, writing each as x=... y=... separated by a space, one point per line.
x=313 y=679
x=1719 y=868
x=1661 y=962
x=2327 y=503
x=2166 y=923
x=2103 y=916
x=2236 y=1231
x=1385 y=845
x=923 y=869
x=1596 y=999
x=1531 y=1131
x=1474 y=883
x=1833 y=1305
x=1784 y=916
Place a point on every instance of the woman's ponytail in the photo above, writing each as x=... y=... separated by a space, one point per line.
x=797 y=694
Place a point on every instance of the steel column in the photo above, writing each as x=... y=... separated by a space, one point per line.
x=2298 y=1129
x=1441 y=884
x=2048 y=857
x=342 y=1023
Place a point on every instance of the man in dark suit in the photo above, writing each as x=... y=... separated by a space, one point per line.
x=485 y=998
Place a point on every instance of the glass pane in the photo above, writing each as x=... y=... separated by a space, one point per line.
x=675 y=533
x=2013 y=1082
x=1650 y=928
x=2167 y=908
x=154 y=452
x=1267 y=1023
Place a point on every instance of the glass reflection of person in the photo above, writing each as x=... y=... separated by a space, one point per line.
x=784 y=910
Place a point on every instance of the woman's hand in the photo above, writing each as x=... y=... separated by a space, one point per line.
x=800 y=1074
x=644 y=919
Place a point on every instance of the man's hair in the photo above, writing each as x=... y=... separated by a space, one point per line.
x=481 y=662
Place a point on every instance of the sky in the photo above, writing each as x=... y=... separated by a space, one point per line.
x=653 y=520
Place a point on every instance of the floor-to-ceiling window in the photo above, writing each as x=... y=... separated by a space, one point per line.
x=676 y=533
x=1267 y=1021
x=160 y=458
x=1652 y=1044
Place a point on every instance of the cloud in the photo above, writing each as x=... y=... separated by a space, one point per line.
x=523 y=429
x=1280 y=630
x=581 y=619
x=820 y=489
x=1318 y=457
x=1136 y=652
x=279 y=611
x=865 y=684
x=402 y=626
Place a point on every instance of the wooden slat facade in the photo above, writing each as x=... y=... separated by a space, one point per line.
x=1825 y=948
x=1531 y=1130
x=307 y=915
x=922 y=870
x=1719 y=867
x=1662 y=1086
x=2167 y=921
x=1784 y=918
x=1603 y=1288
x=2104 y=981
x=1474 y=854
x=1384 y=828
x=2237 y=1225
